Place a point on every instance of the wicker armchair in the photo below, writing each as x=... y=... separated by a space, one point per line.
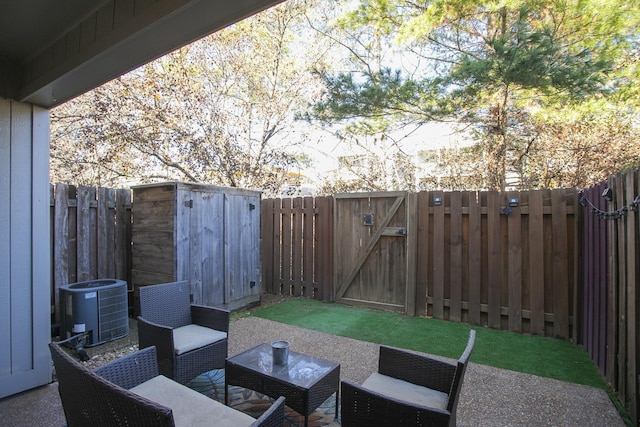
x=190 y=339
x=129 y=392
x=409 y=389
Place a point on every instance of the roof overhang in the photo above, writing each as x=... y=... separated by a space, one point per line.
x=57 y=63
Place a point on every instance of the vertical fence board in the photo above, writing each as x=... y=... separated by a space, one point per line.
x=590 y=264
x=423 y=254
x=630 y=263
x=73 y=235
x=536 y=263
x=60 y=243
x=105 y=233
x=286 y=247
x=85 y=240
x=295 y=279
x=494 y=260
x=412 y=254
x=574 y=226
x=514 y=268
x=438 y=258
x=122 y=236
x=560 y=267
x=279 y=274
x=323 y=238
x=308 y=257
x=620 y=279
x=475 y=259
x=267 y=216
x=589 y=274
x=604 y=305
x=455 y=258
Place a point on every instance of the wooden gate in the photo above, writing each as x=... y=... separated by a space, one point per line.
x=372 y=245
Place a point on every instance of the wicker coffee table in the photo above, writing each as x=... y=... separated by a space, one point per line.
x=305 y=381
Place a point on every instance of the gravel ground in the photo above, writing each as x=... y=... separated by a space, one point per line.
x=489 y=397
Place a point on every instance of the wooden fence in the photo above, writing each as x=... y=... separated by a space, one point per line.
x=297 y=239
x=611 y=276
x=502 y=260
x=90 y=236
x=480 y=259
x=551 y=262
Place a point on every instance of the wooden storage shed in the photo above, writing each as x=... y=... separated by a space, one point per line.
x=207 y=235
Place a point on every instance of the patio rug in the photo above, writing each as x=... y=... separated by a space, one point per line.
x=252 y=403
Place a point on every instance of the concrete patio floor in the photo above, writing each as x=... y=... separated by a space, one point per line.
x=489 y=397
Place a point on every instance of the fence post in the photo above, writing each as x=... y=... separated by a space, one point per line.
x=412 y=253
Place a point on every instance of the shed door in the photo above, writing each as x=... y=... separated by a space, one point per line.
x=224 y=247
x=205 y=249
x=371 y=249
x=242 y=249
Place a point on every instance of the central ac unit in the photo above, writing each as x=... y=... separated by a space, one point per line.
x=96 y=307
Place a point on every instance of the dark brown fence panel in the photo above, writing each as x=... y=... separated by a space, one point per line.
x=90 y=235
x=423 y=255
x=631 y=266
x=609 y=292
x=270 y=234
x=594 y=274
x=474 y=260
x=323 y=248
x=494 y=256
x=502 y=260
x=535 y=262
x=437 y=268
x=296 y=242
x=625 y=189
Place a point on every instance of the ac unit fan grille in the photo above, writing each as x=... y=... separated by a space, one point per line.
x=113 y=309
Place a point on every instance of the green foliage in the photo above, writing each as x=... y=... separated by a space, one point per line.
x=493 y=65
x=383 y=94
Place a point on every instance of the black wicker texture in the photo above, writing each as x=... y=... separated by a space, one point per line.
x=274 y=416
x=463 y=361
x=131 y=370
x=90 y=400
x=362 y=407
x=167 y=306
x=417 y=369
x=101 y=398
x=365 y=408
x=191 y=364
x=209 y=317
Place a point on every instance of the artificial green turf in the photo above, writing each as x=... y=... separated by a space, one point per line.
x=546 y=357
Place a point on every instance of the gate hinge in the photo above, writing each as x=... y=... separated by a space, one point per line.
x=189 y=203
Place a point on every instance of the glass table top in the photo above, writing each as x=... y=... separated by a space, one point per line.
x=301 y=369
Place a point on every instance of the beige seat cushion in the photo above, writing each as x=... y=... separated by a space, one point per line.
x=190 y=337
x=403 y=390
x=190 y=408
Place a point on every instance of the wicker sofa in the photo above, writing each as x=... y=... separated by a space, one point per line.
x=130 y=392
x=190 y=339
x=409 y=389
